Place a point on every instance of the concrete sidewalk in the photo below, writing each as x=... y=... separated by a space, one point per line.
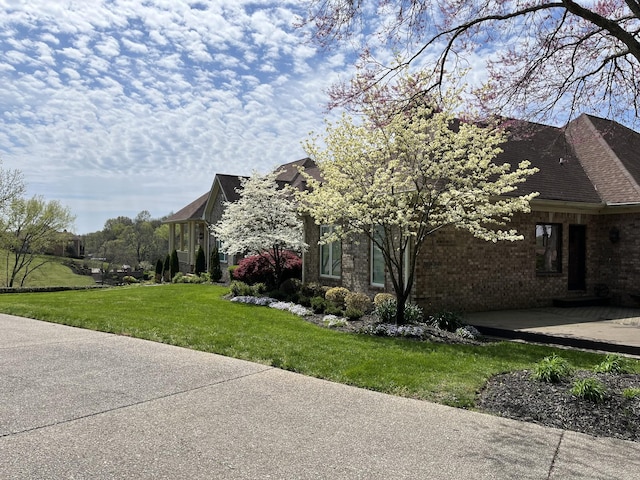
x=87 y=405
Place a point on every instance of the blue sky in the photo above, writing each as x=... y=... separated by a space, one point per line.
x=114 y=107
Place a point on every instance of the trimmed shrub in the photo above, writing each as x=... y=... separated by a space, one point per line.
x=201 y=261
x=174 y=265
x=166 y=268
x=337 y=295
x=291 y=286
x=313 y=290
x=358 y=301
x=353 y=313
x=552 y=369
x=215 y=272
x=256 y=268
x=318 y=304
x=590 y=389
x=129 y=279
x=159 y=267
x=382 y=297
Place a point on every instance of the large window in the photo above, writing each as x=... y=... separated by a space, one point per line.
x=330 y=256
x=548 y=248
x=377 y=260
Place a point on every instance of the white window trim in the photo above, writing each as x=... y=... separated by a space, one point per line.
x=371 y=264
x=223 y=257
x=331 y=260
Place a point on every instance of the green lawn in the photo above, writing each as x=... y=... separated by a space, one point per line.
x=197 y=317
x=52 y=273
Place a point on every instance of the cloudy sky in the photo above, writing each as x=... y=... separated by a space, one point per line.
x=114 y=107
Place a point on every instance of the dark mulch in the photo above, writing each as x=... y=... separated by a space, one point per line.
x=516 y=395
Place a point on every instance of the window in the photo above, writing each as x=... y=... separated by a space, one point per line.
x=377 y=260
x=330 y=256
x=548 y=248
x=221 y=255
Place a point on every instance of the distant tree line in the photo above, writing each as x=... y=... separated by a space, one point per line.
x=138 y=243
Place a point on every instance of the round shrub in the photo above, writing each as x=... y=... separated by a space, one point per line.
x=337 y=295
x=257 y=268
x=382 y=297
x=129 y=279
x=353 y=313
x=240 y=289
x=413 y=313
x=358 y=301
x=318 y=304
x=313 y=290
x=612 y=364
x=290 y=286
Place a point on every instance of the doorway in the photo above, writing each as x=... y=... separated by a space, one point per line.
x=577 y=269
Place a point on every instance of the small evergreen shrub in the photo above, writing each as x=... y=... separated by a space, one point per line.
x=358 y=301
x=159 y=267
x=552 y=369
x=215 y=271
x=353 y=313
x=612 y=364
x=318 y=304
x=291 y=286
x=258 y=288
x=128 y=279
x=590 y=389
x=382 y=297
x=331 y=309
x=446 y=320
x=201 y=261
x=177 y=278
x=240 y=289
x=313 y=290
x=174 y=265
x=337 y=295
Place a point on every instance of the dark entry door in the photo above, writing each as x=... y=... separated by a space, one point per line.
x=577 y=257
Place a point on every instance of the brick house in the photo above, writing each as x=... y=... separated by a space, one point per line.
x=189 y=227
x=582 y=237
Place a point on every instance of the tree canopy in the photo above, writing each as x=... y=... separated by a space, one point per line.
x=542 y=57
x=263 y=221
x=398 y=177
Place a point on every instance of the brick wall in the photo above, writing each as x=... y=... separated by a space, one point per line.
x=459 y=272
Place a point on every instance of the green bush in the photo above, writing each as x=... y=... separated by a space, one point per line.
x=552 y=369
x=290 y=286
x=612 y=364
x=174 y=264
x=177 y=278
x=353 y=313
x=313 y=290
x=385 y=310
x=446 y=320
x=240 y=289
x=337 y=295
x=590 y=389
x=318 y=304
x=358 y=301
x=382 y=297
x=258 y=288
x=631 y=393
x=201 y=261
x=215 y=272
x=129 y=279
x=332 y=309
x=413 y=313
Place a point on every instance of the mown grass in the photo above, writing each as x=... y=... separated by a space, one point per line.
x=52 y=273
x=197 y=317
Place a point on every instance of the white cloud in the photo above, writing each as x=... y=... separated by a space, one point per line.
x=114 y=107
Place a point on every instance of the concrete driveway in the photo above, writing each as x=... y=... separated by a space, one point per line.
x=87 y=405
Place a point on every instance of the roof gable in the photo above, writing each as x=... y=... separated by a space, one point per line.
x=193 y=211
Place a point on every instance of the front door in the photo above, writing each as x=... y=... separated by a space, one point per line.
x=577 y=257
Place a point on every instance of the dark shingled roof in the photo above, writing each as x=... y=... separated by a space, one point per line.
x=229 y=184
x=544 y=146
x=624 y=142
x=193 y=211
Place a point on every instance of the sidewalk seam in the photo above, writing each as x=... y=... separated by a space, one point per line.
x=555 y=455
x=134 y=404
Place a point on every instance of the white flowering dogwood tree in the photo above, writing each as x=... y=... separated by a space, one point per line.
x=399 y=175
x=263 y=221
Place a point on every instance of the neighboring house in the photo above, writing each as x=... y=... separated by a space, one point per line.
x=189 y=227
x=581 y=238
